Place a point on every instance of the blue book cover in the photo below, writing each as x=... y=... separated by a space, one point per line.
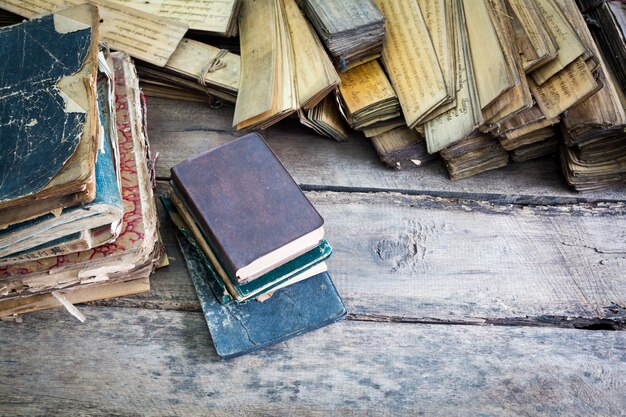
x=237 y=329
x=37 y=136
x=108 y=198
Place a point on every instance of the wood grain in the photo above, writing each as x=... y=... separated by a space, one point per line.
x=144 y=362
x=181 y=130
x=412 y=258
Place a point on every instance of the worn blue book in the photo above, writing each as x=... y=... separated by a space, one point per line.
x=301 y=267
x=80 y=227
x=237 y=329
x=47 y=117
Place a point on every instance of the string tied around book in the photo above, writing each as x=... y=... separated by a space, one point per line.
x=213 y=65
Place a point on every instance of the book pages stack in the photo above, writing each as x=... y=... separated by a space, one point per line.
x=243 y=261
x=73 y=170
x=352 y=30
x=284 y=67
x=402 y=148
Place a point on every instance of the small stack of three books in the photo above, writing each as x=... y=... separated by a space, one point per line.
x=254 y=246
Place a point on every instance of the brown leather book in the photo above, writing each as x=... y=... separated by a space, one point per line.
x=250 y=210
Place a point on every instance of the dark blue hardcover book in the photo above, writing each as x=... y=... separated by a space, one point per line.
x=37 y=134
x=51 y=230
x=237 y=329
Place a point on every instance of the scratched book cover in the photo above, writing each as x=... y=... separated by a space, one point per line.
x=238 y=329
x=79 y=227
x=137 y=242
x=47 y=114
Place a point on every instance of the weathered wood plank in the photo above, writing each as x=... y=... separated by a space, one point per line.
x=146 y=362
x=412 y=258
x=181 y=130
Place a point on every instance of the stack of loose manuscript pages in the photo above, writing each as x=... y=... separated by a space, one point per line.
x=479 y=82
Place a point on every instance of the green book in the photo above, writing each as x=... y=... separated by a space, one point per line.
x=308 y=264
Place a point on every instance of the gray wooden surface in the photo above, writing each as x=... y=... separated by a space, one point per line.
x=490 y=296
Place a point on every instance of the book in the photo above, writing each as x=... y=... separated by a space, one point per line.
x=79 y=227
x=154 y=40
x=75 y=295
x=411 y=62
x=402 y=148
x=284 y=67
x=493 y=71
x=455 y=124
x=195 y=71
x=478 y=152
x=608 y=26
x=237 y=329
x=244 y=180
x=314 y=73
x=48 y=150
x=594 y=143
x=367 y=98
x=568 y=43
x=534 y=150
x=267 y=89
x=440 y=20
x=297 y=269
x=137 y=251
x=518 y=98
x=352 y=30
x=533 y=39
x=326 y=119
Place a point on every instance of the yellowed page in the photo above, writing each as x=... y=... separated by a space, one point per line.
x=567 y=88
x=439 y=24
x=459 y=122
x=491 y=70
x=315 y=74
x=534 y=41
x=364 y=86
x=410 y=60
x=258 y=60
x=139 y=34
x=569 y=45
x=517 y=98
x=208 y=15
x=267 y=66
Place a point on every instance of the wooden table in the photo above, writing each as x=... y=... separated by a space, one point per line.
x=496 y=295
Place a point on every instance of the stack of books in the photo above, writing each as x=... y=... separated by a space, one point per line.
x=284 y=67
x=352 y=30
x=593 y=153
x=475 y=153
x=78 y=221
x=367 y=98
x=326 y=120
x=607 y=22
x=254 y=245
x=402 y=148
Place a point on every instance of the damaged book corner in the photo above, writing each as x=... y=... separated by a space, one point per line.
x=78 y=220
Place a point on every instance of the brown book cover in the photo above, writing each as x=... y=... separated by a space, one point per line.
x=246 y=203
